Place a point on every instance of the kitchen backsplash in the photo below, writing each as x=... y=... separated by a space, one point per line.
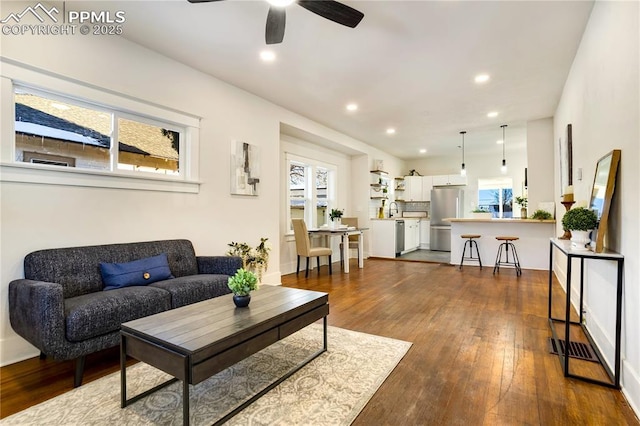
x=416 y=206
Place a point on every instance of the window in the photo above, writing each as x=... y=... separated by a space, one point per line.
x=311 y=190
x=49 y=127
x=496 y=196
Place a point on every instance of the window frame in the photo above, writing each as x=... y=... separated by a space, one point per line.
x=501 y=185
x=310 y=188
x=52 y=86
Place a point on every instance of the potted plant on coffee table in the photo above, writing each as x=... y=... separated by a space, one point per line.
x=242 y=284
x=580 y=221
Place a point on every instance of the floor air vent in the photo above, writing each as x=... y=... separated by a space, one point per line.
x=577 y=350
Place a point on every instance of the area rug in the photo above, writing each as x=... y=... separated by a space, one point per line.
x=331 y=390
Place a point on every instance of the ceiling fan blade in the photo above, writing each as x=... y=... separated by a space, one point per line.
x=276 y=19
x=334 y=11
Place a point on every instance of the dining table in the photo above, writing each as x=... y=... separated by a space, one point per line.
x=344 y=233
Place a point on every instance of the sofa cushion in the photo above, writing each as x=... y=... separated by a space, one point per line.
x=194 y=288
x=92 y=315
x=138 y=272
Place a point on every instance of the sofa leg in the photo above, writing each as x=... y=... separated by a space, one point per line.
x=43 y=355
x=77 y=379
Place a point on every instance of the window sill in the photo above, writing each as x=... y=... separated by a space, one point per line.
x=52 y=175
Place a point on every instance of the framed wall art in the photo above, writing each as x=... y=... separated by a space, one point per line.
x=566 y=160
x=245 y=168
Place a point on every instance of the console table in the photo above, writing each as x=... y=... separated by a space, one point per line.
x=565 y=247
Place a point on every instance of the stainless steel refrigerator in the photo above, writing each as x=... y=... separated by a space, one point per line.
x=445 y=203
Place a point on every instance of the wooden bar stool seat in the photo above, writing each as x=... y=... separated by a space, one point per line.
x=471 y=242
x=507 y=243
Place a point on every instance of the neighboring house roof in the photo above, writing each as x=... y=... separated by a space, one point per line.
x=56 y=120
x=31 y=121
x=35 y=122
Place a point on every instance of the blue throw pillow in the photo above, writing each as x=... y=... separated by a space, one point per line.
x=139 y=272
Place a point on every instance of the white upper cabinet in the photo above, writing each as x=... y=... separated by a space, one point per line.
x=444 y=180
x=427 y=186
x=413 y=188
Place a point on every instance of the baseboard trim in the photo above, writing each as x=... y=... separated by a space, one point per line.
x=15 y=349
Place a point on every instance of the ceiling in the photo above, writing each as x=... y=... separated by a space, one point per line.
x=409 y=65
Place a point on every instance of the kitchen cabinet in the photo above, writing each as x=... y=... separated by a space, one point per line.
x=411 y=234
x=424 y=233
x=427 y=186
x=413 y=188
x=445 y=180
x=383 y=238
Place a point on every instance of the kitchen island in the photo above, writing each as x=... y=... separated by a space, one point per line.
x=532 y=247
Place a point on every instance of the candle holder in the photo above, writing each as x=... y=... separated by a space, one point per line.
x=567 y=206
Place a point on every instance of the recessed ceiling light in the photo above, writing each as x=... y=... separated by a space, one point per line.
x=500 y=142
x=391 y=131
x=492 y=114
x=423 y=151
x=352 y=107
x=267 y=56
x=481 y=78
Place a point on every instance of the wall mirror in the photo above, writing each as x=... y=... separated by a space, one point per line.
x=604 y=184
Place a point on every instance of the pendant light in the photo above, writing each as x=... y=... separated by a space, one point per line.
x=463 y=171
x=503 y=169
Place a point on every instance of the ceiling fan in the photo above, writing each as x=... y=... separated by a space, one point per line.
x=329 y=9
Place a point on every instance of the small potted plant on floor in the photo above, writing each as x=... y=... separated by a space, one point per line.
x=241 y=284
x=580 y=221
x=522 y=202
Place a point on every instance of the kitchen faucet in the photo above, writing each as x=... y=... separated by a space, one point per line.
x=391 y=213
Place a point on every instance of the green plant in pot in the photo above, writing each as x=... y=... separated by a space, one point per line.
x=242 y=284
x=580 y=221
x=522 y=202
x=541 y=215
x=335 y=215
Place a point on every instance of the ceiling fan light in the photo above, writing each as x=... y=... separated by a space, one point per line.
x=280 y=3
x=463 y=171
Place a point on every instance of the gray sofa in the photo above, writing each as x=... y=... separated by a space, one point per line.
x=60 y=306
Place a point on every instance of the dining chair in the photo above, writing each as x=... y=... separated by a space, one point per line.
x=304 y=249
x=353 y=239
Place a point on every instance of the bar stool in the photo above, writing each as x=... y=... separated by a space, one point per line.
x=506 y=244
x=471 y=242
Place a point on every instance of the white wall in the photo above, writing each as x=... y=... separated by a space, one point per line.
x=478 y=166
x=35 y=216
x=539 y=157
x=601 y=100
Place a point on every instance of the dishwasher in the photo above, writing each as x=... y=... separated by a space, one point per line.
x=399 y=237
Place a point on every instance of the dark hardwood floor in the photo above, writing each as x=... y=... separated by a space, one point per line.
x=479 y=353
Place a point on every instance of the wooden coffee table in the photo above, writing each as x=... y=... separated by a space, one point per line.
x=194 y=342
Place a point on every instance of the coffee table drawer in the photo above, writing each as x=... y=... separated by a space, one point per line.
x=303 y=320
x=160 y=357
x=219 y=362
